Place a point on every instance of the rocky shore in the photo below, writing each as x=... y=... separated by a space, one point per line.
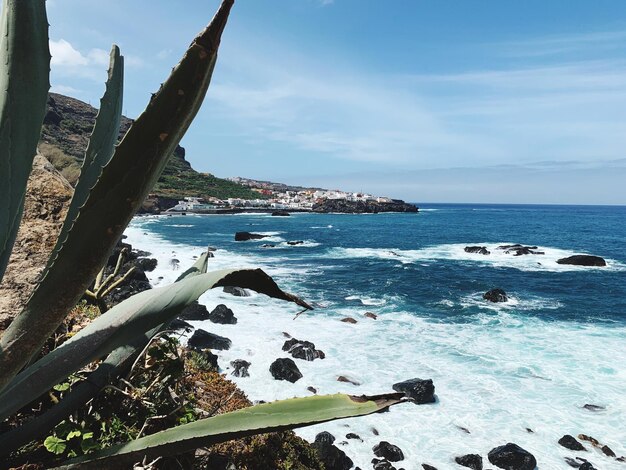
x=363 y=207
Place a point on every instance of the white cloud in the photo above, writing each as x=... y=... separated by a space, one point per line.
x=64 y=54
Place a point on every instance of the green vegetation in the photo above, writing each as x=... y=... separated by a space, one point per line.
x=179 y=180
x=120 y=362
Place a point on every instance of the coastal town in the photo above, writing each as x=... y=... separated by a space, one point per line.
x=277 y=197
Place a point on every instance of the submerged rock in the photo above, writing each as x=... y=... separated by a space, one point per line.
x=519 y=250
x=343 y=378
x=285 y=369
x=236 y=291
x=473 y=461
x=245 y=236
x=240 y=368
x=222 y=315
x=495 y=295
x=481 y=250
x=204 y=340
x=512 y=457
x=591 y=407
x=418 y=390
x=388 y=451
x=348 y=320
x=302 y=350
x=371 y=315
x=296 y=242
x=582 y=260
x=570 y=442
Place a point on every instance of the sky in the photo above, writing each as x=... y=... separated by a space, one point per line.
x=492 y=101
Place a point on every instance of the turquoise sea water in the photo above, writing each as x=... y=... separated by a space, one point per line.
x=499 y=368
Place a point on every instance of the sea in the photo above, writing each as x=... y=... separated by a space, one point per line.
x=520 y=371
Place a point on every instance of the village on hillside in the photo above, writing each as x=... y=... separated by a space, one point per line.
x=276 y=196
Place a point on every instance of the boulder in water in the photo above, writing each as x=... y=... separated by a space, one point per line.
x=285 y=369
x=222 y=315
x=245 y=236
x=195 y=311
x=473 y=461
x=295 y=242
x=582 y=260
x=512 y=457
x=495 y=295
x=388 y=451
x=302 y=350
x=348 y=320
x=280 y=214
x=236 y=291
x=481 y=250
x=418 y=390
x=204 y=340
x=570 y=442
x=240 y=368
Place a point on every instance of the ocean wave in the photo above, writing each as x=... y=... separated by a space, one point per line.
x=456 y=252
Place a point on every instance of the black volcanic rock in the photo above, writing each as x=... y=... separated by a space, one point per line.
x=332 y=457
x=512 y=457
x=495 y=295
x=361 y=207
x=240 y=368
x=418 y=390
x=195 y=312
x=236 y=291
x=285 y=369
x=583 y=260
x=280 y=214
x=388 y=451
x=519 y=250
x=223 y=315
x=302 y=350
x=570 y=442
x=481 y=250
x=473 y=461
x=245 y=236
x=204 y=340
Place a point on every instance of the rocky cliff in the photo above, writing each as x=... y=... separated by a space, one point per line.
x=363 y=207
x=47 y=199
x=65 y=134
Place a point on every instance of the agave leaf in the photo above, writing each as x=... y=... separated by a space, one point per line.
x=24 y=85
x=268 y=417
x=125 y=182
x=101 y=144
x=199 y=267
x=114 y=366
x=121 y=325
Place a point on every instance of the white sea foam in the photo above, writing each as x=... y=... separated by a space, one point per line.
x=495 y=376
x=456 y=252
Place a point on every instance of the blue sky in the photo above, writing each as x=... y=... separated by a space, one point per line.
x=431 y=100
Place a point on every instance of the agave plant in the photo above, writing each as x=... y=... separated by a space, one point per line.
x=114 y=181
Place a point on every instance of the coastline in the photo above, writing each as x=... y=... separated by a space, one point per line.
x=522 y=396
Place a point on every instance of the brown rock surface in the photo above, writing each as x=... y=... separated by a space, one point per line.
x=47 y=198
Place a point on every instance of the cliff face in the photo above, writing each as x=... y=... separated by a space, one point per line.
x=47 y=198
x=362 y=207
x=65 y=135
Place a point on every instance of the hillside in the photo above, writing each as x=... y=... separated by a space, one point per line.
x=65 y=135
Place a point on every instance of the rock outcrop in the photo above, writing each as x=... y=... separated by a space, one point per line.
x=583 y=260
x=245 y=236
x=285 y=369
x=418 y=390
x=362 y=207
x=204 y=340
x=495 y=296
x=47 y=198
x=512 y=457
